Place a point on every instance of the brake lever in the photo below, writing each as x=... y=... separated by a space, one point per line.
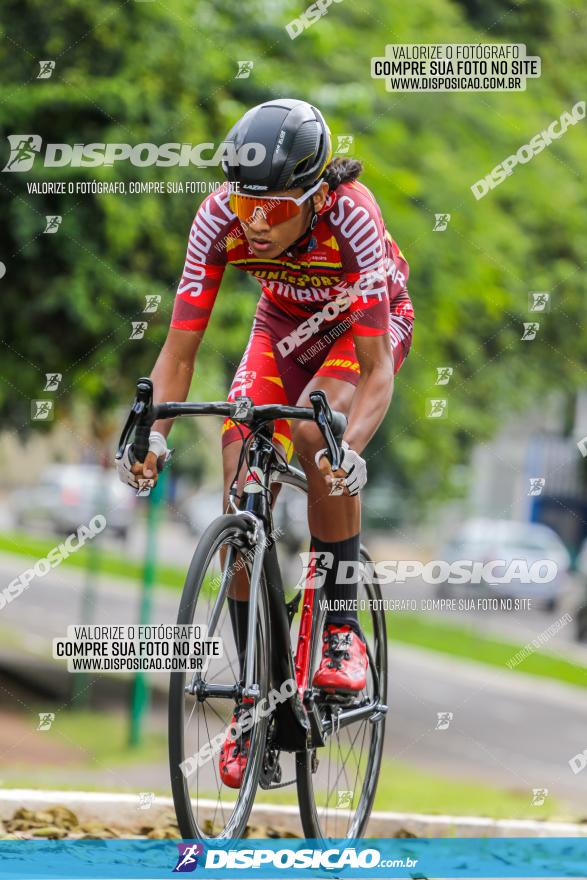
x=131 y=421
x=332 y=428
x=141 y=405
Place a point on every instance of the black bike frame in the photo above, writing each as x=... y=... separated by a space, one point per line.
x=298 y=726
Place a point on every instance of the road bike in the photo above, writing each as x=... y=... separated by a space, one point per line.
x=331 y=744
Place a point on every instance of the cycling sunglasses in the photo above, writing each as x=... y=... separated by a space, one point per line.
x=274 y=209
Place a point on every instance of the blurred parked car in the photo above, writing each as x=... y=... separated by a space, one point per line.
x=68 y=496
x=198 y=510
x=581 y=612
x=484 y=540
x=290 y=515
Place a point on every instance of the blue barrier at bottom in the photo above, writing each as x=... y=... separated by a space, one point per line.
x=365 y=858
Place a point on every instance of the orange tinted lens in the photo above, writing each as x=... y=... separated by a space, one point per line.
x=273 y=211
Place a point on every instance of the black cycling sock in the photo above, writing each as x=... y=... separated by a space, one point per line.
x=341 y=597
x=239 y=618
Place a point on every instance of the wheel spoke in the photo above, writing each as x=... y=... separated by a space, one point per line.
x=202 y=720
x=352 y=762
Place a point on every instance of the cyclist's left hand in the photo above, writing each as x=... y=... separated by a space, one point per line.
x=350 y=478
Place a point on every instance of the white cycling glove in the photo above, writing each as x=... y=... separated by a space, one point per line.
x=354 y=466
x=158 y=445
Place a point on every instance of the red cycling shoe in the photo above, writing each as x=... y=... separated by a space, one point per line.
x=235 y=752
x=344 y=661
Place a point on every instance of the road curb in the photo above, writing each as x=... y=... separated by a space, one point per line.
x=125 y=810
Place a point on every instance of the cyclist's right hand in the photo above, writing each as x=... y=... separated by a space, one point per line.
x=130 y=470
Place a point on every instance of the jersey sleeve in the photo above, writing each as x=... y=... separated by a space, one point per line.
x=401 y=314
x=374 y=268
x=205 y=262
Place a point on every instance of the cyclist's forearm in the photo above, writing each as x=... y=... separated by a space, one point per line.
x=370 y=404
x=173 y=372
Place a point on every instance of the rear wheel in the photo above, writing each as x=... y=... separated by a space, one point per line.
x=198 y=724
x=337 y=783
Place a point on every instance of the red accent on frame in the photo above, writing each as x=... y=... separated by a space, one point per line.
x=303 y=659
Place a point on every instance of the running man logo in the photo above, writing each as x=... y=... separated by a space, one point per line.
x=46 y=69
x=315 y=564
x=536 y=485
x=244 y=69
x=52 y=223
x=441 y=222
x=146 y=799
x=138 y=329
x=243 y=381
x=443 y=375
x=530 y=331
x=539 y=302
x=46 y=719
x=444 y=719
x=437 y=408
x=187 y=859
x=23 y=150
x=152 y=302
x=52 y=381
x=41 y=410
x=344 y=144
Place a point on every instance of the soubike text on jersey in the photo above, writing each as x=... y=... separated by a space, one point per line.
x=349 y=245
x=310 y=276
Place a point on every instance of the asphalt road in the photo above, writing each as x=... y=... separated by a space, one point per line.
x=507 y=729
x=176 y=545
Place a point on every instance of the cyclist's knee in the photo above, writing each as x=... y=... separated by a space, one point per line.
x=307 y=441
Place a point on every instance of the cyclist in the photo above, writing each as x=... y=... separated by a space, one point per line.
x=334 y=314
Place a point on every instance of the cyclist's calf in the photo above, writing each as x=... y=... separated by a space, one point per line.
x=330 y=518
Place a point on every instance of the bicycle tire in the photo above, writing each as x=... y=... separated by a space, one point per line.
x=213 y=538
x=311 y=824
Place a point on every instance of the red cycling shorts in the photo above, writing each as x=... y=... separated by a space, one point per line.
x=272 y=373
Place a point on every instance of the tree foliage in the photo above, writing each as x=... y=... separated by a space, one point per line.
x=149 y=72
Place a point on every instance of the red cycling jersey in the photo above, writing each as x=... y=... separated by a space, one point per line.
x=349 y=249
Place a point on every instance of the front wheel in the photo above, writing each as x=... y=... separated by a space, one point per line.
x=198 y=723
x=337 y=783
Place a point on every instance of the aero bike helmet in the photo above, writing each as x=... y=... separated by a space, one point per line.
x=296 y=141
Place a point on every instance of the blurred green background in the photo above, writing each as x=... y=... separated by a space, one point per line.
x=157 y=73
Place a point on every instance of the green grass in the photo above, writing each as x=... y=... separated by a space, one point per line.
x=114 y=564
x=405 y=788
x=462 y=641
x=104 y=738
x=100 y=738
x=99 y=741
x=99 y=754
